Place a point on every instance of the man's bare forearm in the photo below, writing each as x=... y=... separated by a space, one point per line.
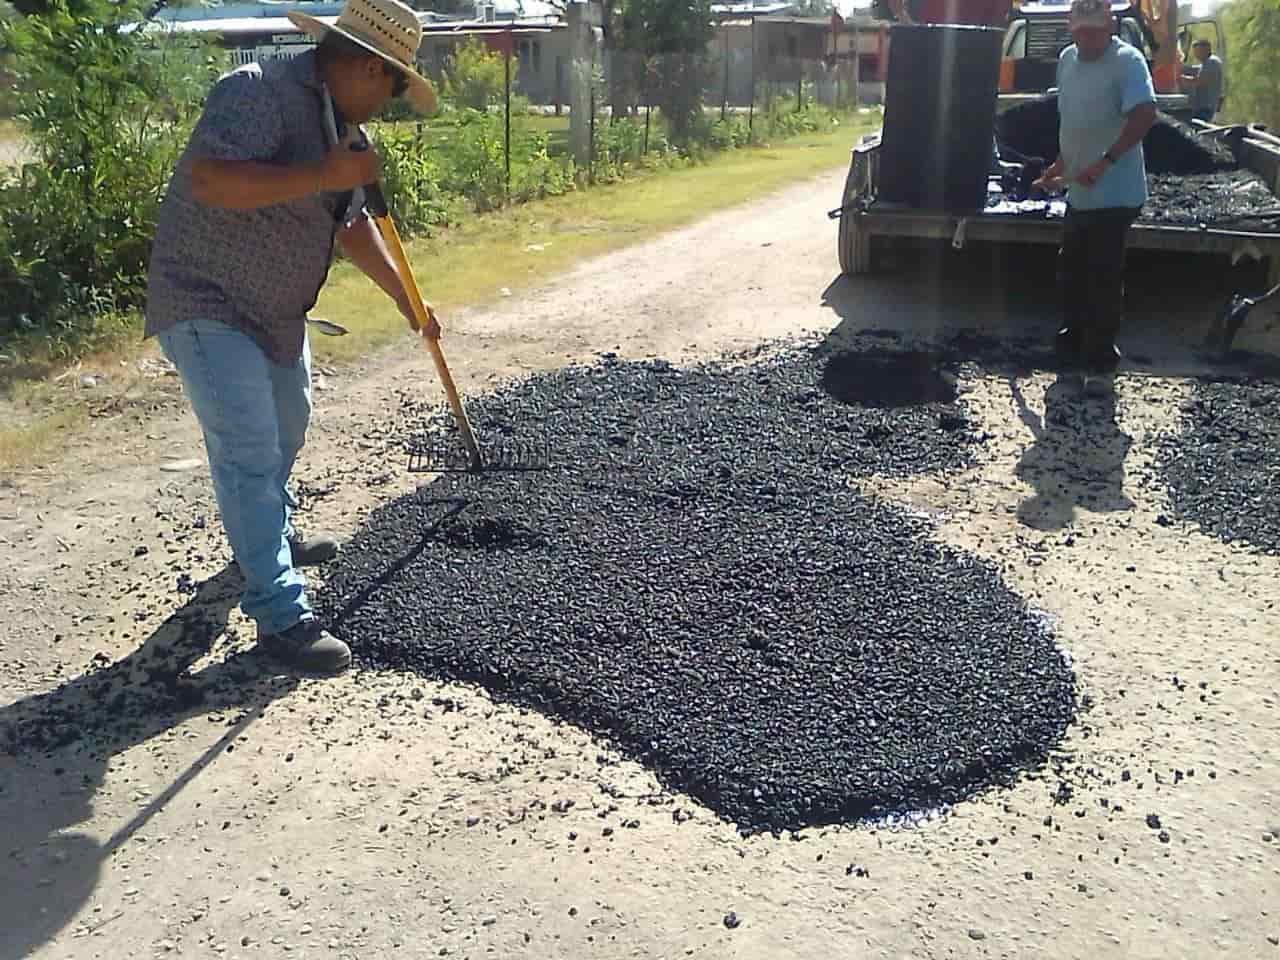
x=247 y=185
x=363 y=246
x=1136 y=126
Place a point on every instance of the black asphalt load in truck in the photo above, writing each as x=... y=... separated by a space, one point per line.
x=1247 y=228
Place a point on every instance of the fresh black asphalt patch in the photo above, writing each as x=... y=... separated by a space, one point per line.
x=697 y=581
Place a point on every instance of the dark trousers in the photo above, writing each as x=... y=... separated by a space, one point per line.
x=1091 y=271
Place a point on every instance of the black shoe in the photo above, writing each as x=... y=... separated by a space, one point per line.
x=308 y=647
x=309 y=551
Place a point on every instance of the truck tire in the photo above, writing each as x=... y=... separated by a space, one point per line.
x=851 y=240
x=856 y=247
x=848 y=244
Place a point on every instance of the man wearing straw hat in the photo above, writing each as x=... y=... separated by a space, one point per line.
x=265 y=188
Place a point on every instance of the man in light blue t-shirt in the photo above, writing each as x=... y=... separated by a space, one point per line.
x=1106 y=105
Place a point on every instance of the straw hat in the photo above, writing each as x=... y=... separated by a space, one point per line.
x=386 y=28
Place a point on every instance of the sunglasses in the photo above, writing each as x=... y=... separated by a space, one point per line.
x=400 y=82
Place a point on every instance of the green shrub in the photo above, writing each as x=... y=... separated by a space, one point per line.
x=475 y=164
x=412 y=176
x=781 y=120
x=727 y=134
x=108 y=116
x=476 y=76
x=619 y=147
x=538 y=175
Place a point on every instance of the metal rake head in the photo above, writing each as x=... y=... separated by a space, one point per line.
x=511 y=439
x=448 y=455
x=506 y=445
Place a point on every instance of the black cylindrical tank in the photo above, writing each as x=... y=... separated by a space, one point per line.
x=939 y=119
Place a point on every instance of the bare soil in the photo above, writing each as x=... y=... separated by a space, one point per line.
x=383 y=815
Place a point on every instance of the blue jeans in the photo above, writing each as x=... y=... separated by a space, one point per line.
x=254 y=416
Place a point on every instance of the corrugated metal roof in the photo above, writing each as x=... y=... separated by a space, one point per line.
x=267 y=10
x=243 y=26
x=523 y=25
x=229 y=27
x=825 y=22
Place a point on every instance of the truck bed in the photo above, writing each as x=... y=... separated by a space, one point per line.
x=1178 y=104
x=864 y=218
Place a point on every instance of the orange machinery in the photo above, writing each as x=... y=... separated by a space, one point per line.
x=1038 y=31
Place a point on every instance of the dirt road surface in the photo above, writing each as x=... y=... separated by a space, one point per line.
x=377 y=815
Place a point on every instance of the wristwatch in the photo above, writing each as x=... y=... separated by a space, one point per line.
x=1108 y=157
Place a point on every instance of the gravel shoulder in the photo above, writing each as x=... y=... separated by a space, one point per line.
x=384 y=814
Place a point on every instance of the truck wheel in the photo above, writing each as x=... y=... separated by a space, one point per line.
x=855 y=247
x=851 y=240
x=848 y=244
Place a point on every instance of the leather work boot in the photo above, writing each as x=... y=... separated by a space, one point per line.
x=307 y=646
x=309 y=551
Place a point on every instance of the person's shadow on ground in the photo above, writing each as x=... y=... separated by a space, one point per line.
x=1077 y=459
x=55 y=748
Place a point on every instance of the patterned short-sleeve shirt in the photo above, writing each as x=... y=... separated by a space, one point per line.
x=257 y=270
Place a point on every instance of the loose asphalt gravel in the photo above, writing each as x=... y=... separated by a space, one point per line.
x=1170 y=147
x=697 y=580
x=1221 y=468
x=1193 y=181
x=1229 y=200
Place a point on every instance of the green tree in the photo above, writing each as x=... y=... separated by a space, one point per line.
x=7 y=102
x=42 y=7
x=672 y=35
x=1253 y=52
x=476 y=76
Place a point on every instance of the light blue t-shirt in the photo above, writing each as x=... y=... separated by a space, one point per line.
x=1094 y=99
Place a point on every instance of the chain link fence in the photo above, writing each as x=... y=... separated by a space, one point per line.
x=691 y=104
x=507 y=132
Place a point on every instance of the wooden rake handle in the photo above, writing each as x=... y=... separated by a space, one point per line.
x=377 y=205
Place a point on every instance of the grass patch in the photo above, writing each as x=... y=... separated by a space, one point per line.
x=535 y=240
x=41 y=400
x=40 y=354
x=28 y=443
